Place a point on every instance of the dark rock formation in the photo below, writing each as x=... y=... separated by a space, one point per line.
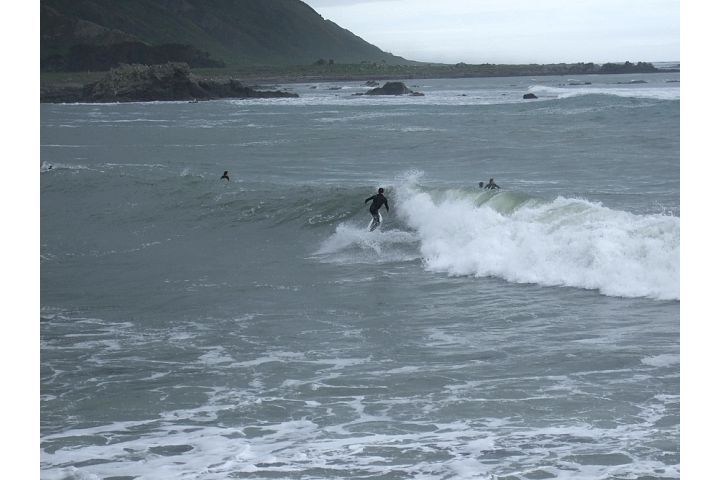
x=142 y=83
x=529 y=96
x=391 y=88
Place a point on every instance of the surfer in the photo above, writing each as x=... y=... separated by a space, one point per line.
x=225 y=176
x=378 y=201
x=491 y=185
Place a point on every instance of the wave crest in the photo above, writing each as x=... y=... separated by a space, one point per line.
x=645 y=92
x=564 y=242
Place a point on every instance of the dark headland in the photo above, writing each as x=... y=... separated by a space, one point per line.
x=147 y=83
x=154 y=50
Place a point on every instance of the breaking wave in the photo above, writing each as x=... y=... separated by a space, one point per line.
x=523 y=239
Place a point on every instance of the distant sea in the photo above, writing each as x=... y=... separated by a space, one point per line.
x=195 y=328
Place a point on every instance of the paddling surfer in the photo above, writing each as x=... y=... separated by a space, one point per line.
x=491 y=185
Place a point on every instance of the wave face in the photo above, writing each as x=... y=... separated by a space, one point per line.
x=519 y=237
x=564 y=242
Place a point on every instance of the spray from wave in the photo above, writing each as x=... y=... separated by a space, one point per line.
x=522 y=239
x=354 y=244
x=565 y=242
x=644 y=92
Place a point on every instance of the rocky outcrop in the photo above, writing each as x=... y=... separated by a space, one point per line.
x=142 y=83
x=393 y=88
x=530 y=96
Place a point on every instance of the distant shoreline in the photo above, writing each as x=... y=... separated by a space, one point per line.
x=367 y=72
x=56 y=86
x=281 y=79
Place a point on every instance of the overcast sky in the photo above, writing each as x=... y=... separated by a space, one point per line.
x=513 y=31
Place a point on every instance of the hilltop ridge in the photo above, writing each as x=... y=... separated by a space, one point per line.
x=92 y=35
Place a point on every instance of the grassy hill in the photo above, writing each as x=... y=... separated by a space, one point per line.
x=233 y=32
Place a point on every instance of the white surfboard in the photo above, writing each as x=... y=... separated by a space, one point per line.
x=373 y=225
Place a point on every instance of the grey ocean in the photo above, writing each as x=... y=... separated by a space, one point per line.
x=194 y=328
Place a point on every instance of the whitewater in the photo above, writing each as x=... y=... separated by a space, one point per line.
x=193 y=327
x=564 y=242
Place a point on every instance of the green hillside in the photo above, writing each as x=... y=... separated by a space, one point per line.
x=233 y=32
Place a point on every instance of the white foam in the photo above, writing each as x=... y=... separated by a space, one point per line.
x=663 y=360
x=566 y=242
x=178 y=445
x=354 y=244
x=651 y=92
x=49 y=167
x=215 y=356
x=421 y=129
x=281 y=357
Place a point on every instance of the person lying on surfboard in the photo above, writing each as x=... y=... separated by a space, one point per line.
x=492 y=185
x=378 y=201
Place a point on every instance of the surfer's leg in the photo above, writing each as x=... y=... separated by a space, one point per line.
x=375 y=221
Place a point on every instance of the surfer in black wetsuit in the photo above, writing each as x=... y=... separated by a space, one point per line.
x=225 y=176
x=378 y=201
x=491 y=185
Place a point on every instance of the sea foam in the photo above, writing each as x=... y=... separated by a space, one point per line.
x=564 y=242
x=646 y=92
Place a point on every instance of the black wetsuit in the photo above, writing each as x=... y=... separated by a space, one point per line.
x=492 y=185
x=378 y=201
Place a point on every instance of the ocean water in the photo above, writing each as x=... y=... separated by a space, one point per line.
x=194 y=328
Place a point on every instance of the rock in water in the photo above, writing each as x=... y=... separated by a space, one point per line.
x=391 y=88
x=142 y=83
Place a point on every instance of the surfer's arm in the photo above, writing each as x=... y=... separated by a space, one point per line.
x=367 y=200
x=386 y=206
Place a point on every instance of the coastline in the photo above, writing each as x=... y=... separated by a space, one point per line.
x=260 y=80
x=63 y=87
